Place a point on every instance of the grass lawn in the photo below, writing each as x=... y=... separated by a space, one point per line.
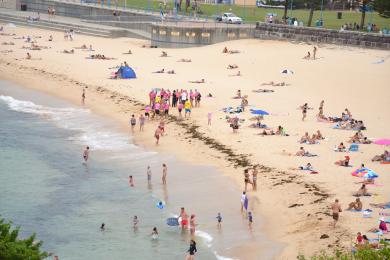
x=253 y=14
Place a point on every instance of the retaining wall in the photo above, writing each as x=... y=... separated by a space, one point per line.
x=179 y=36
x=319 y=35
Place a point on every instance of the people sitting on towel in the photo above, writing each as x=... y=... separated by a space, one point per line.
x=344 y=162
x=232 y=66
x=382 y=227
x=238 y=94
x=197 y=81
x=225 y=50
x=385 y=205
x=68 y=52
x=160 y=71
x=362 y=191
x=184 y=60
x=272 y=83
x=356 y=205
x=305 y=138
x=341 y=148
x=301 y=152
x=164 y=54
x=385 y=157
x=319 y=136
x=308 y=55
x=261 y=90
x=280 y=131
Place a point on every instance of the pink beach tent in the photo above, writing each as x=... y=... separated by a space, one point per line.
x=384 y=141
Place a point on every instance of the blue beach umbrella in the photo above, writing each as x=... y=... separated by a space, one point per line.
x=259 y=112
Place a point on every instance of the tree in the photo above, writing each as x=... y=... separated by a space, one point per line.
x=12 y=248
x=286 y=2
x=313 y=5
x=364 y=8
x=383 y=7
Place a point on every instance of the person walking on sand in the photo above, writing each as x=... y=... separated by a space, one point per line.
x=131 y=181
x=149 y=174
x=187 y=109
x=254 y=178
x=157 y=134
x=86 y=154
x=243 y=199
x=133 y=122
x=164 y=175
x=336 y=209
x=314 y=52
x=250 y=219
x=304 y=112
x=141 y=122
x=209 y=115
x=246 y=179
x=191 y=251
x=83 y=97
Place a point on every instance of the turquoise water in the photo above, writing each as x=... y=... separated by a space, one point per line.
x=46 y=188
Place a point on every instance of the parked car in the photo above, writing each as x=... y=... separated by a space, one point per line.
x=231 y=18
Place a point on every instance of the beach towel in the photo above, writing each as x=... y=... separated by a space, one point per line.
x=365 y=172
x=354 y=148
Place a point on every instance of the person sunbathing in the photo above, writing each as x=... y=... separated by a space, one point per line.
x=313 y=139
x=356 y=205
x=341 y=148
x=197 y=81
x=307 y=167
x=83 y=47
x=68 y=52
x=307 y=57
x=234 y=51
x=280 y=131
x=344 y=162
x=384 y=205
x=171 y=72
x=269 y=132
x=319 y=136
x=184 y=60
x=232 y=66
x=382 y=227
x=355 y=138
x=305 y=138
x=129 y=52
x=362 y=191
x=238 y=95
x=261 y=90
x=385 y=157
x=7 y=43
x=238 y=74
x=159 y=71
x=164 y=54
x=301 y=152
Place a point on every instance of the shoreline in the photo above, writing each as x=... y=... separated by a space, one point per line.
x=295 y=206
x=96 y=96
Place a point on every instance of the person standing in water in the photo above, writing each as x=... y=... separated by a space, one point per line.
x=219 y=220
x=192 y=250
x=154 y=233
x=149 y=174
x=184 y=218
x=141 y=122
x=133 y=122
x=135 y=222
x=254 y=178
x=83 y=97
x=131 y=181
x=103 y=227
x=157 y=134
x=192 y=224
x=86 y=154
x=164 y=175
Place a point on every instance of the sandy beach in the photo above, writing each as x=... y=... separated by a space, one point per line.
x=294 y=204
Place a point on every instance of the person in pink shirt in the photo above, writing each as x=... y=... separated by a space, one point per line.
x=180 y=108
x=157 y=109
x=166 y=109
x=192 y=98
x=147 y=112
x=152 y=96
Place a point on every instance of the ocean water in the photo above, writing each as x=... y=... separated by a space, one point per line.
x=46 y=188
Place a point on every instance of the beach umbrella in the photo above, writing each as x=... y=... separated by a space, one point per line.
x=287 y=72
x=384 y=141
x=258 y=112
x=365 y=173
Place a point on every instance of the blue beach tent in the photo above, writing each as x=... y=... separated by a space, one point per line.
x=127 y=73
